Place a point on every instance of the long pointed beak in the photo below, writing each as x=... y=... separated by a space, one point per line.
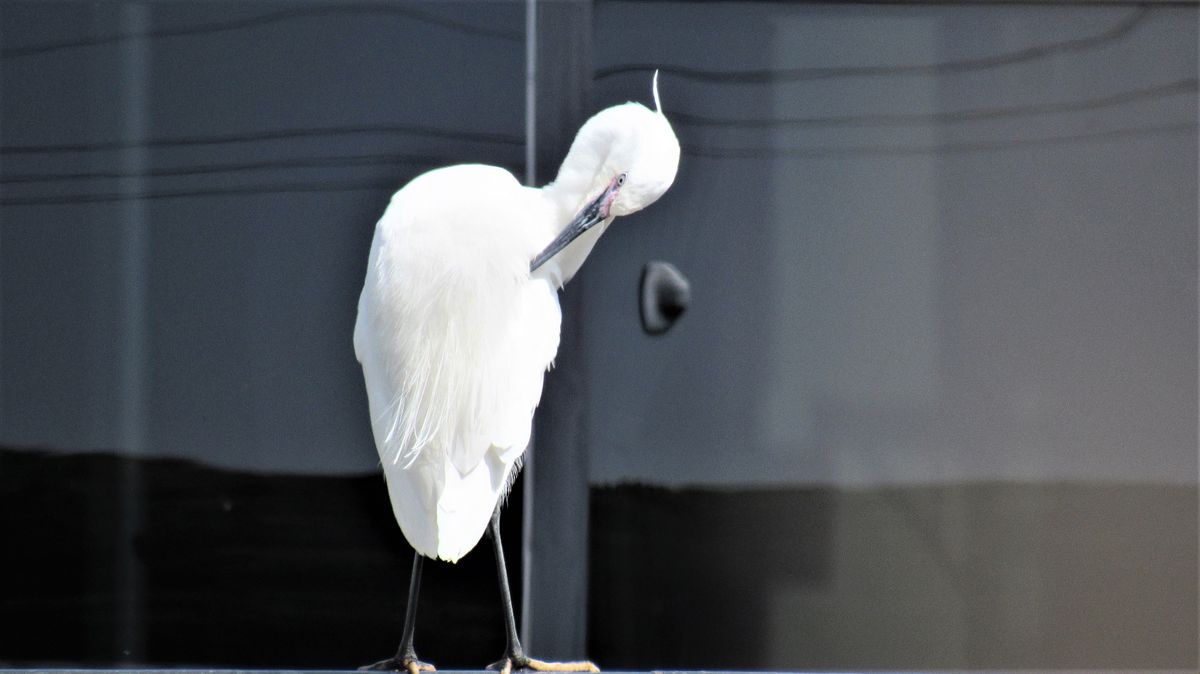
x=594 y=213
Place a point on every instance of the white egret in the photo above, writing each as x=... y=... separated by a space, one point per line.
x=459 y=319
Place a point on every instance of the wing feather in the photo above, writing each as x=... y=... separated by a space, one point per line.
x=454 y=338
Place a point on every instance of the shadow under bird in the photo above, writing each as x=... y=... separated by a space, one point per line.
x=459 y=320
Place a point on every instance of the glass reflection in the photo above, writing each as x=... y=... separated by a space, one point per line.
x=187 y=196
x=933 y=405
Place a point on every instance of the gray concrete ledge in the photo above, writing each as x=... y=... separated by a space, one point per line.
x=51 y=670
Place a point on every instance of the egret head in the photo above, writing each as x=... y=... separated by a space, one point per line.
x=634 y=142
x=623 y=159
x=644 y=150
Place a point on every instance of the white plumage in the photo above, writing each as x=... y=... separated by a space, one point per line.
x=454 y=332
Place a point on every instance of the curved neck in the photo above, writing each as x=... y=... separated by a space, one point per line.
x=568 y=194
x=578 y=175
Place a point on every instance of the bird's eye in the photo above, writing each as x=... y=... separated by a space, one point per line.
x=621 y=179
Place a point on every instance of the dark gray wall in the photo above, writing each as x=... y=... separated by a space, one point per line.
x=271 y=137
x=946 y=243
x=958 y=297
x=944 y=246
x=934 y=403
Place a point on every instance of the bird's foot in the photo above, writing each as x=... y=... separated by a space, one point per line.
x=521 y=662
x=409 y=665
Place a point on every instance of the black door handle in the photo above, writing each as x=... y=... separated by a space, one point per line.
x=665 y=295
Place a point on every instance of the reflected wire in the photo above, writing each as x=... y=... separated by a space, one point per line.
x=762 y=76
x=1187 y=85
x=276 y=134
x=262 y=20
x=912 y=150
x=346 y=161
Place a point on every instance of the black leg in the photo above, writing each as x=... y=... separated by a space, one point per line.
x=514 y=650
x=406 y=656
x=410 y=611
x=514 y=655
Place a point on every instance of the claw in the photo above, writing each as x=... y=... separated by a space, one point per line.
x=507 y=665
x=416 y=667
x=543 y=666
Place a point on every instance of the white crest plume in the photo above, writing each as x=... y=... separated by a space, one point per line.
x=657 y=103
